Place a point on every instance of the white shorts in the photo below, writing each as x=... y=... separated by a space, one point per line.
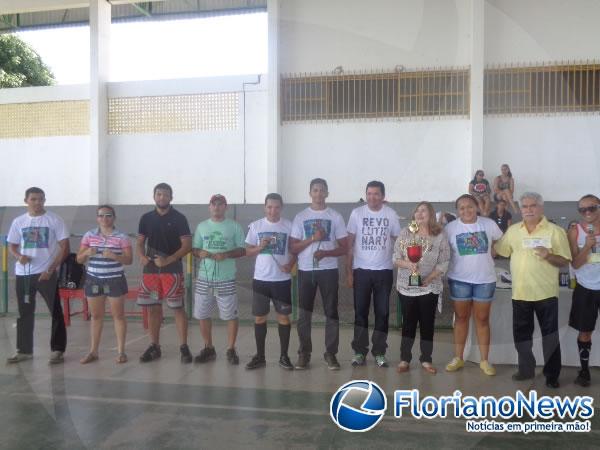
x=208 y=294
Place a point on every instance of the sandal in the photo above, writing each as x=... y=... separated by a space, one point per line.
x=402 y=367
x=121 y=358
x=90 y=357
x=428 y=367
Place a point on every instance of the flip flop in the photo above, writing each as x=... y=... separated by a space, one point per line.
x=121 y=358
x=429 y=368
x=402 y=367
x=90 y=357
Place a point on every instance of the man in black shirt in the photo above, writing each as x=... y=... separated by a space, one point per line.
x=164 y=238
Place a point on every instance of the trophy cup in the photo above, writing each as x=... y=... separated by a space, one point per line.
x=414 y=249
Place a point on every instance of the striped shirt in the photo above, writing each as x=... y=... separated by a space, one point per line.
x=98 y=266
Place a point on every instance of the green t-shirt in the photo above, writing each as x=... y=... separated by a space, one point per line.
x=218 y=237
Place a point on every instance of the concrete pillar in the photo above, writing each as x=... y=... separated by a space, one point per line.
x=273 y=141
x=99 y=69
x=477 y=71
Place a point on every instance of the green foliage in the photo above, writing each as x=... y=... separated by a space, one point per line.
x=20 y=65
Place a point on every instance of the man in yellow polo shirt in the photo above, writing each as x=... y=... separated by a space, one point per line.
x=537 y=249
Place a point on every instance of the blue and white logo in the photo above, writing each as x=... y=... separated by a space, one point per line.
x=358 y=406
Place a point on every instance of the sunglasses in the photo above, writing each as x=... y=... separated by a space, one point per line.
x=107 y=215
x=590 y=209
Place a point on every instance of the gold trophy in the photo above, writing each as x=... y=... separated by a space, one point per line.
x=414 y=249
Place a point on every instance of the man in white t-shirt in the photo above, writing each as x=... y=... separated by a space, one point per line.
x=318 y=238
x=372 y=229
x=268 y=240
x=39 y=241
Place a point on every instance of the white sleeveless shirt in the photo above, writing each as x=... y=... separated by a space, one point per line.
x=588 y=275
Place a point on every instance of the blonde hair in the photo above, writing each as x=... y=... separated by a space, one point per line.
x=434 y=227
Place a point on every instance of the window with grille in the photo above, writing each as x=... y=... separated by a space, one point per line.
x=377 y=95
x=545 y=89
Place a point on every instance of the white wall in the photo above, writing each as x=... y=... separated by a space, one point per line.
x=557 y=156
x=320 y=35
x=416 y=160
x=534 y=31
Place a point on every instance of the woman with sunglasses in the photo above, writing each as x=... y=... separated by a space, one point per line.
x=584 y=240
x=479 y=188
x=105 y=250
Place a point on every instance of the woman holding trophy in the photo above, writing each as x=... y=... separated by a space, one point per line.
x=421 y=254
x=472 y=278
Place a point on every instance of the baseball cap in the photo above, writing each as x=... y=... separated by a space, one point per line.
x=218 y=198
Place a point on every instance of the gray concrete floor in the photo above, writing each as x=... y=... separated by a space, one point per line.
x=164 y=404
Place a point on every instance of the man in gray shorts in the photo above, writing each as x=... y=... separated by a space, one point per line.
x=268 y=240
x=216 y=243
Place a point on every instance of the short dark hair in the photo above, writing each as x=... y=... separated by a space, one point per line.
x=34 y=190
x=318 y=181
x=274 y=196
x=466 y=196
x=589 y=196
x=112 y=210
x=164 y=187
x=376 y=184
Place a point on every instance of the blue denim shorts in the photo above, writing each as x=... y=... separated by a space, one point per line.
x=461 y=291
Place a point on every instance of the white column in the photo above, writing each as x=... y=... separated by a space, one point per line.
x=477 y=68
x=273 y=141
x=99 y=67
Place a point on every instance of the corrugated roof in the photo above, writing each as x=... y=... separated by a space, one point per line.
x=156 y=10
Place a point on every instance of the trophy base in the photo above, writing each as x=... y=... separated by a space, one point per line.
x=414 y=280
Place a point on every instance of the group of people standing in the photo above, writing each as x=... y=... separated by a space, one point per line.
x=372 y=243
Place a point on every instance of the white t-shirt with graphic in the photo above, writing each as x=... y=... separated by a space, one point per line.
x=37 y=237
x=304 y=226
x=471 y=244
x=276 y=254
x=373 y=246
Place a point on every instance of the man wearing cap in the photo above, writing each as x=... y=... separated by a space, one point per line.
x=216 y=243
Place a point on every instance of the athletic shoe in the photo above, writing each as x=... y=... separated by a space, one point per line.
x=381 y=361
x=552 y=383
x=518 y=376
x=358 y=360
x=56 y=357
x=303 y=361
x=454 y=365
x=232 y=357
x=487 y=368
x=332 y=362
x=256 y=363
x=583 y=378
x=285 y=363
x=186 y=355
x=205 y=355
x=153 y=352
x=18 y=357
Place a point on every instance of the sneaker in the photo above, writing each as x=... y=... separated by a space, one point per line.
x=381 y=361
x=56 y=357
x=487 y=368
x=205 y=355
x=518 y=376
x=256 y=363
x=358 y=360
x=186 y=355
x=303 y=361
x=18 y=357
x=583 y=378
x=332 y=362
x=285 y=363
x=454 y=365
x=552 y=383
x=152 y=352
x=232 y=357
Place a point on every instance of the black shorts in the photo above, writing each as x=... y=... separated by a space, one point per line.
x=584 y=309
x=111 y=287
x=265 y=291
